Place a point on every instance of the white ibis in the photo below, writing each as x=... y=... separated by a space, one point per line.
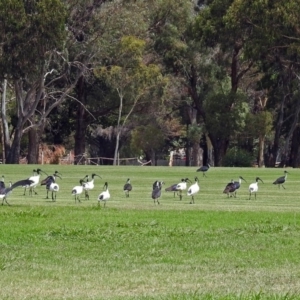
x=253 y=187
x=127 y=187
x=77 y=190
x=105 y=195
x=182 y=186
x=51 y=185
x=89 y=185
x=193 y=189
x=281 y=180
x=173 y=187
x=5 y=191
x=204 y=169
x=35 y=179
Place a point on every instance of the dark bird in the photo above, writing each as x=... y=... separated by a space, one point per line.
x=5 y=191
x=127 y=187
x=232 y=187
x=204 y=169
x=51 y=185
x=253 y=187
x=281 y=180
x=156 y=192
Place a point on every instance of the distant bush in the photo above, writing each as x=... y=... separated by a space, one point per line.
x=237 y=158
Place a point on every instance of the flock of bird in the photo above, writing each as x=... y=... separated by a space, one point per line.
x=86 y=185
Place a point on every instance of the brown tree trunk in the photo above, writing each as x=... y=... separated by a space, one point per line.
x=79 y=148
x=220 y=146
x=33 y=146
x=261 y=145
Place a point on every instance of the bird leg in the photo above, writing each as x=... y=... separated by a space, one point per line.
x=87 y=196
x=193 y=201
x=47 y=197
x=53 y=196
x=4 y=199
x=204 y=174
x=180 y=195
x=283 y=186
x=24 y=192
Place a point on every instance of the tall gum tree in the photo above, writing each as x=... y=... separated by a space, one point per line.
x=131 y=78
x=30 y=32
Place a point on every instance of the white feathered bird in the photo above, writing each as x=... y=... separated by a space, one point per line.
x=193 y=189
x=89 y=185
x=77 y=190
x=182 y=186
x=51 y=185
x=35 y=178
x=253 y=187
x=105 y=195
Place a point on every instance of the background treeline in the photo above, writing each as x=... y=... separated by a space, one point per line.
x=126 y=78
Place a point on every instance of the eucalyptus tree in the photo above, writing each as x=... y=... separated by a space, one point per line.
x=131 y=78
x=272 y=41
x=31 y=34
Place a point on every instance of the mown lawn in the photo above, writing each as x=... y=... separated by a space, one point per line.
x=217 y=248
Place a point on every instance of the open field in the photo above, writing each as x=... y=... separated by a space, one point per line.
x=217 y=248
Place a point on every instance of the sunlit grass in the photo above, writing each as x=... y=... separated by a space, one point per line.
x=217 y=248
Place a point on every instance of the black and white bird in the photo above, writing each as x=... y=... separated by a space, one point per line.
x=2 y=184
x=281 y=180
x=35 y=178
x=253 y=187
x=173 y=187
x=51 y=185
x=156 y=192
x=232 y=187
x=89 y=185
x=77 y=190
x=182 y=186
x=127 y=187
x=5 y=191
x=105 y=195
x=193 y=189
x=204 y=169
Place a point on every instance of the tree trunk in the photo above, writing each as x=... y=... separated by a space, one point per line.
x=294 y=157
x=220 y=146
x=275 y=147
x=261 y=146
x=286 y=150
x=118 y=129
x=33 y=146
x=79 y=147
x=14 y=153
x=5 y=130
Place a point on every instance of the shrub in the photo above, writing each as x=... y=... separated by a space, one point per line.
x=237 y=158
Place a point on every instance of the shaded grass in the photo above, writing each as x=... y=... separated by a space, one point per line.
x=219 y=248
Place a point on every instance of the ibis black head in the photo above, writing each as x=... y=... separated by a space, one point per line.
x=286 y=172
x=242 y=178
x=257 y=178
x=105 y=186
x=93 y=175
x=186 y=180
x=56 y=174
x=40 y=171
x=196 y=179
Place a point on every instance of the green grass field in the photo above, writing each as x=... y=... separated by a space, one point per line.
x=217 y=248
